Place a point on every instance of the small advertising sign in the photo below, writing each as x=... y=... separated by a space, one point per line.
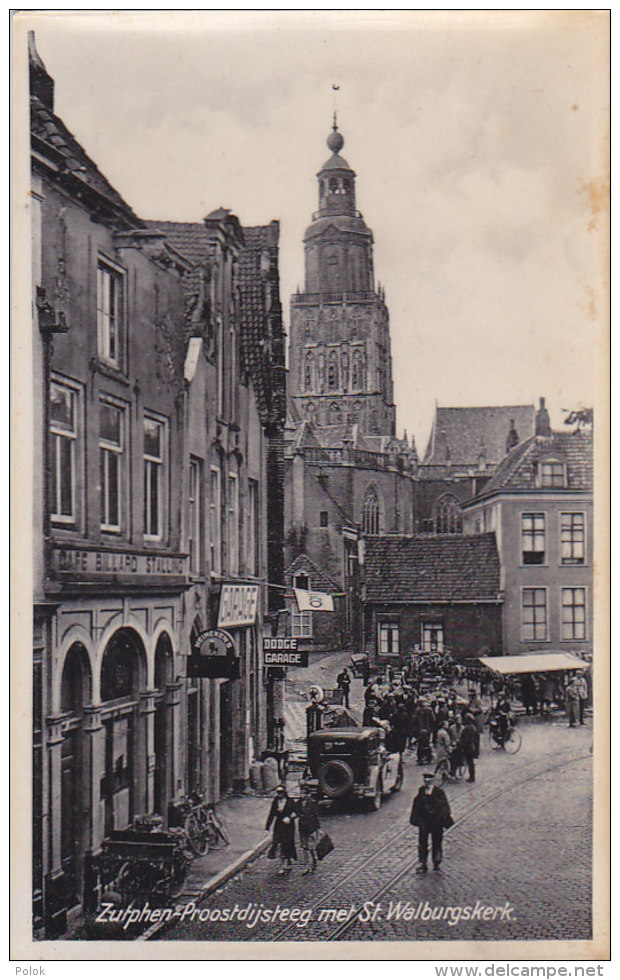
x=281 y=651
x=213 y=655
x=238 y=604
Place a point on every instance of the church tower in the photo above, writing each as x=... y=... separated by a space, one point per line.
x=340 y=357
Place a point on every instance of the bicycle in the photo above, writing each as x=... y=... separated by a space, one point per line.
x=204 y=828
x=511 y=742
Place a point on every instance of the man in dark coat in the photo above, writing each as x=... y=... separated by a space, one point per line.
x=431 y=815
x=400 y=729
x=470 y=745
x=344 y=683
x=369 y=718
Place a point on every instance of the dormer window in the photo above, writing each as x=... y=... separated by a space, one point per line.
x=551 y=473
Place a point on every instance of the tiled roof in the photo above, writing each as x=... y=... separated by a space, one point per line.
x=460 y=435
x=319 y=581
x=519 y=469
x=50 y=136
x=262 y=342
x=190 y=238
x=431 y=568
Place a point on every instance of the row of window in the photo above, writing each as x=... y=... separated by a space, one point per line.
x=113 y=467
x=534 y=622
x=431 y=637
x=535 y=618
x=196 y=517
x=111 y=317
x=534 y=538
x=66 y=462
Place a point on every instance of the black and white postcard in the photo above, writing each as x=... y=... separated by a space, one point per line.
x=310 y=338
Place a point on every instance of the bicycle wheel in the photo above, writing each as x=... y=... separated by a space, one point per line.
x=513 y=742
x=196 y=835
x=219 y=825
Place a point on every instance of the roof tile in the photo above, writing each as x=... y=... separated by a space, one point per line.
x=432 y=568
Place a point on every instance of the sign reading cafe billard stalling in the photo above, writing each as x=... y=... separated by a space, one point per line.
x=81 y=561
x=281 y=651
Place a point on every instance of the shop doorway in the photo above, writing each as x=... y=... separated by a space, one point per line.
x=163 y=733
x=123 y=676
x=75 y=692
x=226 y=738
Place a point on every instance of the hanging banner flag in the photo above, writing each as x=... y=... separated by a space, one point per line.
x=313 y=601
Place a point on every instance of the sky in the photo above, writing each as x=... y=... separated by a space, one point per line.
x=479 y=141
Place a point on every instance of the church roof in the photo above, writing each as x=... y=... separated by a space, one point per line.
x=460 y=435
x=519 y=469
x=432 y=568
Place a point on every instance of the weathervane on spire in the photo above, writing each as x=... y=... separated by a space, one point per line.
x=335 y=89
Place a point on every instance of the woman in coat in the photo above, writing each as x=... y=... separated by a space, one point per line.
x=309 y=826
x=282 y=815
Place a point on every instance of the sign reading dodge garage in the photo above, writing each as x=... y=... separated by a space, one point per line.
x=238 y=605
x=281 y=651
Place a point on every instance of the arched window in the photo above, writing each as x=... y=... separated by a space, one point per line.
x=308 y=372
x=448 y=518
x=334 y=414
x=370 y=512
x=332 y=371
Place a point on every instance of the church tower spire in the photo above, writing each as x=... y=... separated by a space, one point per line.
x=341 y=365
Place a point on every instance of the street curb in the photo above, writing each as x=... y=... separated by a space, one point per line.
x=213 y=884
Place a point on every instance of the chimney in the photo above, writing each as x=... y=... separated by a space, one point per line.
x=513 y=437
x=543 y=425
x=41 y=84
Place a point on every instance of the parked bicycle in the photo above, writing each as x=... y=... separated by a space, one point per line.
x=202 y=826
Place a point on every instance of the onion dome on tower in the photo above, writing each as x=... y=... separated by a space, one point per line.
x=338 y=243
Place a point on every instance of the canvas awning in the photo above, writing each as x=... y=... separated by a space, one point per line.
x=534 y=663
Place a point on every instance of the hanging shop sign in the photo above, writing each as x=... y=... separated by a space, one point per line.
x=213 y=655
x=281 y=651
x=238 y=605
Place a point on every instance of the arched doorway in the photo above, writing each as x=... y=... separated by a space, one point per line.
x=123 y=676
x=75 y=692
x=163 y=733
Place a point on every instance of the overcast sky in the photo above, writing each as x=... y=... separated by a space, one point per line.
x=479 y=146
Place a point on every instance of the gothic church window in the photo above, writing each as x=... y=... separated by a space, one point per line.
x=332 y=371
x=448 y=517
x=370 y=512
x=334 y=414
x=308 y=372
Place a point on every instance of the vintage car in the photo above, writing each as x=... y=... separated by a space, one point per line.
x=353 y=763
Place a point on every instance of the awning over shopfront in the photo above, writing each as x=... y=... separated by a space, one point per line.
x=534 y=663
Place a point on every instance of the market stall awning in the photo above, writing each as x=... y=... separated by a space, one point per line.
x=534 y=663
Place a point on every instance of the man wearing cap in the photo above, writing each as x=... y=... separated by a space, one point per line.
x=431 y=815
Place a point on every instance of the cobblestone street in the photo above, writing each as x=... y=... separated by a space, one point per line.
x=521 y=843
